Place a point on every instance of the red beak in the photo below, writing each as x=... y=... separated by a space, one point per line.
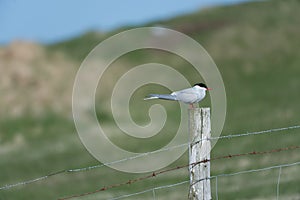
x=209 y=88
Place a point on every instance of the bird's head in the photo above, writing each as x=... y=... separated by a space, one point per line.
x=202 y=86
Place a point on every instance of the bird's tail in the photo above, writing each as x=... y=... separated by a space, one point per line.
x=161 y=96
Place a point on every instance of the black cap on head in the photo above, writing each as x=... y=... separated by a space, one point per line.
x=201 y=85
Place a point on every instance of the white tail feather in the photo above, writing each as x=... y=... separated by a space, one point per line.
x=149 y=98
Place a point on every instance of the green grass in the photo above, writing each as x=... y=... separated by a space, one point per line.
x=256 y=48
x=78 y=48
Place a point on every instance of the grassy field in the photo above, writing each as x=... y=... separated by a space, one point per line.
x=256 y=48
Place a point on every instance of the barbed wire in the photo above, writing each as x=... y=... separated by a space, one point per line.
x=154 y=174
x=9 y=186
x=129 y=158
x=251 y=171
x=216 y=179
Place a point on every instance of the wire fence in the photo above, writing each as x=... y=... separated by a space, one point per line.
x=154 y=174
x=151 y=190
x=74 y=170
x=216 y=181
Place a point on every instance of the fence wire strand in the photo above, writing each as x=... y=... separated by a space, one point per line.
x=216 y=179
x=278 y=182
x=256 y=170
x=149 y=190
x=217 y=197
x=30 y=181
x=255 y=132
x=153 y=194
x=154 y=174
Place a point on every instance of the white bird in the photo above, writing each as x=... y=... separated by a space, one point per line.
x=189 y=96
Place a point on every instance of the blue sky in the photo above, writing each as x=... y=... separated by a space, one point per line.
x=57 y=20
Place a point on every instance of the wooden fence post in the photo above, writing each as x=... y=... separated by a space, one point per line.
x=200 y=132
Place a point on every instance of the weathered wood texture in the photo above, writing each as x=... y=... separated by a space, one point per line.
x=200 y=147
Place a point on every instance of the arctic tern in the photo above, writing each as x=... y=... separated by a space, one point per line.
x=189 y=96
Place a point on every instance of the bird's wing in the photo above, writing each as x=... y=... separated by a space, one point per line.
x=187 y=95
x=161 y=96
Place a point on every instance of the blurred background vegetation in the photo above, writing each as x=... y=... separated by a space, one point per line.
x=256 y=47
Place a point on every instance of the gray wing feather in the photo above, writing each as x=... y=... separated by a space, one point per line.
x=161 y=96
x=187 y=95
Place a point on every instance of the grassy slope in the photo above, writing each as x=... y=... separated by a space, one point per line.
x=255 y=46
